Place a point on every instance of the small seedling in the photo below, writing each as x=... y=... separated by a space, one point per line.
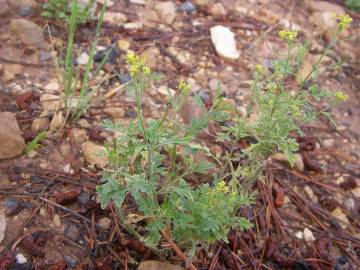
x=61 y=9
x=76 y=103
x=34 y=144
x=353 y=5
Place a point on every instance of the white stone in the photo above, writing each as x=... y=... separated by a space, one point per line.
x=299 y=235
x=328 y=142
x=133 y=25
x=67 y=168
x=349 y=204
x=20 y=258
x=83 y=59
x=166 y=11
x=115 y=18
x=52 y=86
x=138 y=2
x=2 y=226
x=308 y=235
x=224 y=42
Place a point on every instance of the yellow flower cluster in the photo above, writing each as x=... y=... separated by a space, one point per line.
x=288 y=35
x=221 y=187
x=183 y=87
x=137 y=65
x=260 y=69
x=341 y=96
x=343 y=20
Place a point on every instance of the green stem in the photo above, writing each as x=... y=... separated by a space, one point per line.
x=327 y=49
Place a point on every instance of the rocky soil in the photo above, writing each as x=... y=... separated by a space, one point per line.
x=306 y=217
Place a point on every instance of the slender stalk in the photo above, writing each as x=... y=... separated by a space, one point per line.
x=178 y=250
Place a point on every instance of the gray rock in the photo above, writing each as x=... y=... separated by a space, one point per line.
x=72 y=232
x=27 y=31
x=188 y=7
x=12 y=143
x=45 y=56
x=70 y=261
x=26 y=11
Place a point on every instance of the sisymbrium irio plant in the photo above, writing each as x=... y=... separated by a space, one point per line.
x=149 y=162
x=278 y=109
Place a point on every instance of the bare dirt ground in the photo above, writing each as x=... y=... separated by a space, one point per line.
x=306 y=218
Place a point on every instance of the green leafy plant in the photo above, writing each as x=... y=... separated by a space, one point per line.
x=77 y=102
x=353 y=5
x=150 y=160
x=61 y=9
x=34 y=144
x=277 y=109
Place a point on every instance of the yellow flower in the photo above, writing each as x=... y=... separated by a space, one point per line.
x=221 y=187
x=183 y=87
x=260 y=69
x=341 y=96
x=343 y=20
x=288 y=35
x=137 y=65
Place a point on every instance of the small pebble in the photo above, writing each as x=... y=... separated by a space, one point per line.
x=82 y=59
x=205 y=97
x=83 y=198
x=101 y=55
x=188 y=7
x=20 y=258
x=349 y=204
x=45 y=56
x=308 y=235
x=105 y=223
x=12 y=206
x=123 y=78
x=26 y=11
x=72 y=232
x=299 y=235
x=57 y=220
x=70 y=261
x=335 y=224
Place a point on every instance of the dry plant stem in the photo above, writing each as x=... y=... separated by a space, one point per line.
x=178 y=250
x=134 y=233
